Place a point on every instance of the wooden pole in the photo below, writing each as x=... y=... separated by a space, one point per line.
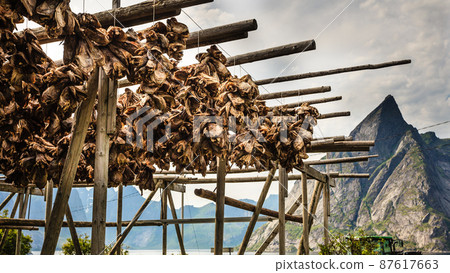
x=22 y=212
x=177 y=226
x=305 y=213
x=318 y=186
x=12 y=215
x=332 y=72
x=73 y=232
x=135 y=219
x=5 y=222
x=256 y=212
x=340 y=160
x=273 y=52
x=212 y=35
x=294 y=93
x=101 y=168
x=164 y=217
x=182 y=215
x=48 y=201
x=119 y=214
x=137 y=14
x=7 y=199
x=334 y=115
x=275 y=229
x=310 y=102
x=326 y=208
x=243 y=205
x=220 y=205
x=282 y=182
x=82 y=119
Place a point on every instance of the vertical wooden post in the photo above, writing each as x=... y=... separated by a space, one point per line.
x=182 y=215
x=22 y=213
x=282 y=182
x=305 y=213
x=6 y=201
x=326 y=206
x=318 y=186
x=101 y=169
x=326 y=212
x=12 y=215
x=82 y=118
x=48 y=201
x=259 y=204
x=164 y=217
x=220 y=206
x=135 y=219
x=119 y=214
x=177 y=226
x=73 y=232
x=275 y=229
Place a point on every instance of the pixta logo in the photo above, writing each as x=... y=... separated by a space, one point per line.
x=150 y=119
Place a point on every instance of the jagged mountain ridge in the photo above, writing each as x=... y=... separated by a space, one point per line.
x=407 y=194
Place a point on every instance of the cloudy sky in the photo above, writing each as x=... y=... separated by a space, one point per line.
x=347 y=33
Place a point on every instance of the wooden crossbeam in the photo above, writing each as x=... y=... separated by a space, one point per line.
x=273 y=52
x=310 y=102
x=8 y=222
x=243 y=205
x=331 y=72
x=137 y=14
x=294 y=93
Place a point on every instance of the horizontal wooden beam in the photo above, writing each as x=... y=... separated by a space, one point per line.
x=218 y=34
x=294 y=93
x=20 y=227
x=331 y=72
x=137 y=14
x=340 y=160
x=20 y=223
x=270 y=53
x=243 y=205
x=350 y=175
x=310 y=102
x=334 y=115
x=11 y=188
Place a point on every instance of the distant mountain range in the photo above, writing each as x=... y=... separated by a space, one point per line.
x=407 y=194
x=198 y=236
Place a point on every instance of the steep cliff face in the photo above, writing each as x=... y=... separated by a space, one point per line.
x=407 y=194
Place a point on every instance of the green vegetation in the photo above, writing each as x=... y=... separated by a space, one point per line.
x=68 y=247
x=10 y=245
x=352 y=243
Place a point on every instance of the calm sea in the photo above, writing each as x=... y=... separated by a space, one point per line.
x=170 y=252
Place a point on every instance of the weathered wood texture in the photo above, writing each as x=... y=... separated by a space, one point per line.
x=220 y=206
x=318 y=186
x=282 y=184
x=101 y=168
x=273 y=52
x=5 y=222
x=294 y=93
x=256 y=212
x=245 y=206
x=48 y=200
x=137 y=14
x=305 y=213
x=6 y=201
x=275 y=229
x=311 y=102
x=331 y=72
x=164 y=217
x=177 y=226
x=82 y=119
x=119 y=214
x=73 y=232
